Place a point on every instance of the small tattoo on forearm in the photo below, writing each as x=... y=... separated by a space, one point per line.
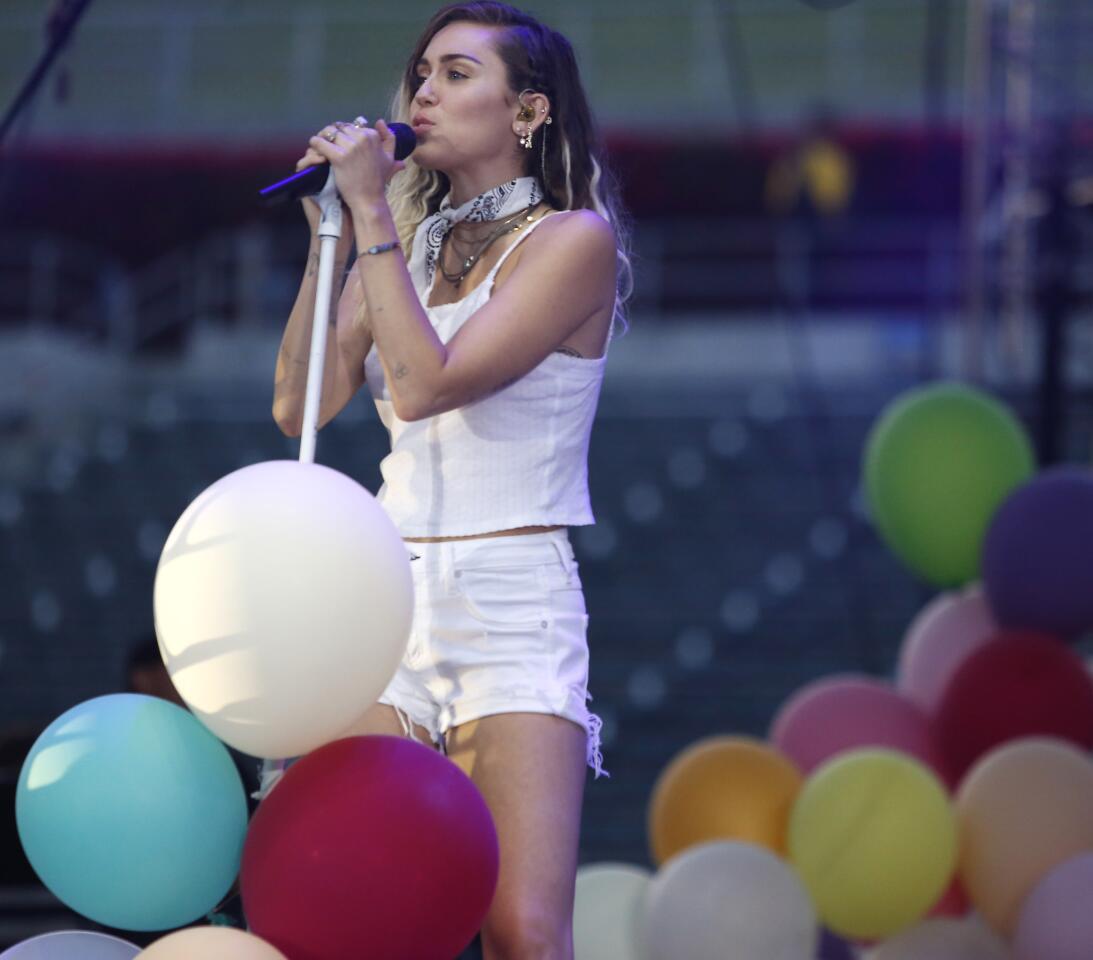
x=570 y=352
x=312 y=264
x=401 y=370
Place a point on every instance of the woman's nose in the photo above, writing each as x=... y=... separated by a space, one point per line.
x=424 y=93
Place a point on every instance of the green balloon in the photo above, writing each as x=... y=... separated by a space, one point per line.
x=938 y=462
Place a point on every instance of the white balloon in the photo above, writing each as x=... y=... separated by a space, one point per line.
x=728 y=899
x=607 y=911
x=72 y=945
x=944 y=938
x=283 y=601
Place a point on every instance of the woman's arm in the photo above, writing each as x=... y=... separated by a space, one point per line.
x=342 y=373
x=565 y=276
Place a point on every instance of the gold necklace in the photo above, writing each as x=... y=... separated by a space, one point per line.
x=469 y=260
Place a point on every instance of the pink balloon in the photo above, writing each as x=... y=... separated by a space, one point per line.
x=945 y=633
x=1055 y=922
x=845 y=712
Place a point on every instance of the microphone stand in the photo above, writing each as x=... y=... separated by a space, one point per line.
x=63 y=19
x=330 y=230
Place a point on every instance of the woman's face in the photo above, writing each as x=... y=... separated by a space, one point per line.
x=464 y=99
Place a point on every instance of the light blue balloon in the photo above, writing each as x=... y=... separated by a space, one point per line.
x=72 y=945
x=132 y=813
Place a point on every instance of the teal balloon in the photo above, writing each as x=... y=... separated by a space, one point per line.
x=132 y=813
x=939 y=461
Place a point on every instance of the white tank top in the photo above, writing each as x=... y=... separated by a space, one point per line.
x=516 y=458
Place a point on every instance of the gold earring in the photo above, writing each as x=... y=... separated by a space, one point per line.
x=525 y=140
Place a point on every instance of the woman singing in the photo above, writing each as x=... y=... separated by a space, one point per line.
x=491 y=267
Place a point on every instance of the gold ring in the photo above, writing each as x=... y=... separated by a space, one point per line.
x=330 y=135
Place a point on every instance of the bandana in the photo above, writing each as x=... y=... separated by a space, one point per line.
x=495 y=203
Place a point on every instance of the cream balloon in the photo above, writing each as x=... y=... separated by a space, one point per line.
x=210 y=943
x=283 y=601
x=1023 y=810
x=944 y=939
x=728 y=899
x=607 y=911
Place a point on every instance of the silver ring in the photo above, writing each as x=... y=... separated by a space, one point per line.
x=329 y=135
x=360 y=122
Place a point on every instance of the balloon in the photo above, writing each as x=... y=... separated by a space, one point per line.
x=1017 y=685
x=71 y=945
x=839 y=713
x=1055 y=922
x=722 y=788
x=211 y=943
x=873 y=838
x=283 y=602
x=834 y=948
x=607 y=911
x=370 y=847
x=943 y=635
x=727 y=898
x=944 y=939
x=1022 y=810
x=132 y=813
x=938 y=462
x=1038 y=554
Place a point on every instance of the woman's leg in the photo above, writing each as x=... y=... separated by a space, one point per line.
x=530 y=768
x=380 y=718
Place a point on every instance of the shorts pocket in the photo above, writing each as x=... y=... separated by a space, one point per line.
x=505 y=596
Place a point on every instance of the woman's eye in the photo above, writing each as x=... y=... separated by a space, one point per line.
x=455 y=73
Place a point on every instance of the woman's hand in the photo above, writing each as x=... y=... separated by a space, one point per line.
x=313 y=158
x=363 y=159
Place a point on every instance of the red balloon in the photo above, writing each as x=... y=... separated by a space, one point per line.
x=370 y=847
x=1018 y=685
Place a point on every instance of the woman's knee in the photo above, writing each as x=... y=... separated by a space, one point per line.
x=516 y=932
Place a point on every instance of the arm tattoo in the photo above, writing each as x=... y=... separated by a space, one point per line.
x=313 y=264
x=570 y=352
x=401 y=370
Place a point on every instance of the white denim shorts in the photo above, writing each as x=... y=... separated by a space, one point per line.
x=499 y=626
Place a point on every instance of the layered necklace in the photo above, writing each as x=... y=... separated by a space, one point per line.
x=470 y=254
x=509 y=205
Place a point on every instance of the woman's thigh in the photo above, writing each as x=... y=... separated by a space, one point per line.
x=530 y=769
x=380 y=718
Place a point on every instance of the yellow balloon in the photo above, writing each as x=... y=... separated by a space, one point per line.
x=210 y=943
x=873 y=837
x=1023 y=809
x=722 y=788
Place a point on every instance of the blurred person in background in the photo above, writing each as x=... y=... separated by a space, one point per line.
x=491 y=271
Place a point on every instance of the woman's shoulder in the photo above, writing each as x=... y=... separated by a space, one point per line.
x=584 y=228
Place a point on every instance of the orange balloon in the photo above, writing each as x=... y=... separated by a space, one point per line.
x=722 y=788
x=1023 y=809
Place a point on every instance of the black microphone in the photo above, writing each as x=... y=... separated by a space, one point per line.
x=311 y=180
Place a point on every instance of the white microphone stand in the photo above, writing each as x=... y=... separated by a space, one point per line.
x=329 y=232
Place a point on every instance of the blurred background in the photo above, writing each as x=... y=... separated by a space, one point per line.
x=831 y=203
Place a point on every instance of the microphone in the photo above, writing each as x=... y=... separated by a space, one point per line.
x=311 y=180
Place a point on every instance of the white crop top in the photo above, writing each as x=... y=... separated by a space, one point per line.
x=516 y=458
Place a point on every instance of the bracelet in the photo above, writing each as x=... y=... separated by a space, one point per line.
x=381 y=247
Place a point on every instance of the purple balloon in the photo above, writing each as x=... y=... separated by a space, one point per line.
x=1038 y=555
x=834 y=948
x=1055 y=921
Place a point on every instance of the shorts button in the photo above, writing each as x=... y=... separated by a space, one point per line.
x=459 y=573
x=543 y=623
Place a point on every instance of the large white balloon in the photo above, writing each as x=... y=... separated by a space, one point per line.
x=728 y=899
x=607 y=911
x=283 y=601
x=944 y=938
